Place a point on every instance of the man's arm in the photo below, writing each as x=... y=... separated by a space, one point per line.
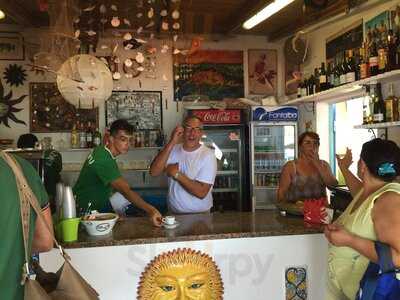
x=42 y=239
x=122 y=186
x=160 y=161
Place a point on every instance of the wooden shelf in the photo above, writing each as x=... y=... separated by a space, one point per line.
x=378 y=125
x=346 y=91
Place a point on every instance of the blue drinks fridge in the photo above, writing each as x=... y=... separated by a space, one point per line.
x=273 y=139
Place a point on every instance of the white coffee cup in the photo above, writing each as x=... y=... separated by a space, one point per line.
x=169 y=220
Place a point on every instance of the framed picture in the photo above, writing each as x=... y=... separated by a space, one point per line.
x=209 y=75
x=292 y=77
x=142 y=109
x=262 y=68
x=12 y=46
x=50 y=112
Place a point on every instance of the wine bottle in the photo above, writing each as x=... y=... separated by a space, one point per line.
x=342 y=70
x=363 y=64
x=74 y=137
x=350 y=67
x=391 y=51
x=379 y=106
x=82 y=136
x=366 y=108
x=323 y=78
x=317 y=88
x=373 y=58
x=89 y=135
x=97 y=138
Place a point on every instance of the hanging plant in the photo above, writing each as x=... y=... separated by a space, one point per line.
x=7 y=108
x=15 y=75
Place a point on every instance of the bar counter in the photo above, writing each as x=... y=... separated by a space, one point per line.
x=132 y=231
x=253 y=252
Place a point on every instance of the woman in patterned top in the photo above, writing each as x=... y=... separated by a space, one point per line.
x=308 y=176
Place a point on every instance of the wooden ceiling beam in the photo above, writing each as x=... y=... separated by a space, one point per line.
x=17 y=12
x=235 y=20
x=310 y=18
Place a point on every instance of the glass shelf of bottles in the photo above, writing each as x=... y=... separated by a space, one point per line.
x=348 y=90
x=378 y=125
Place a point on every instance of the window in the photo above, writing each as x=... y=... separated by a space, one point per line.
x=345 y=115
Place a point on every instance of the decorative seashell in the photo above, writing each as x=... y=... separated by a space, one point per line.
x=139 y=57
x=164 y=25
x=140 y=69
x=91 y=33
x=176 y=26
x=127 y=22
x=139 y=30
x=103 y=9
x=115 y=22
x=140 y=41
x=127 y=36
x=114 y=7
x=151 y=24
x=139 y=15
x=164 y=77
x=116 y=75
x=164 y=13
x=115 y=48
x=175 y=14
x=103 y=20
x=150 y=13
x=175 y=38
x=77 y=33
x=128 y=62
x=90 y=8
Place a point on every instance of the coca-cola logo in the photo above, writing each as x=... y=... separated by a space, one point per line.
x=219 y=116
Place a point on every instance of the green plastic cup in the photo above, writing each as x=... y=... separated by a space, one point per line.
x=69 y=229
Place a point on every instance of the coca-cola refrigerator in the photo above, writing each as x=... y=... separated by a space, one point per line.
x=226 y=132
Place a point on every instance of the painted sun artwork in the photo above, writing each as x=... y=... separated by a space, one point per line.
x=181 y=274
x=296 y=283
x=7 y=108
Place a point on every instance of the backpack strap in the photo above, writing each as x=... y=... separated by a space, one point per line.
x=385 y=260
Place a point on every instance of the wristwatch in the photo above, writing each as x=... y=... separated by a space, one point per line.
x=176 y=175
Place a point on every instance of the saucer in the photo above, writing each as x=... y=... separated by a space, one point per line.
x=171 y=226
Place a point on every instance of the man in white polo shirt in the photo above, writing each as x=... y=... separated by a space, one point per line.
x=191 y=169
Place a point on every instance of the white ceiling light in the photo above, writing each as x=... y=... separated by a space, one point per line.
x=2 y=14
x=266 y=12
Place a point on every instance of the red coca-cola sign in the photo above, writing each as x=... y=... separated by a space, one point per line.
x=216 y=116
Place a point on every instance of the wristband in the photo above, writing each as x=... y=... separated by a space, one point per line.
x=176 y=175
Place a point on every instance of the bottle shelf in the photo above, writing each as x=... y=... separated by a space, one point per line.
x=378 y=125
x=348 y=90
x=228 y=172
x=265 y=187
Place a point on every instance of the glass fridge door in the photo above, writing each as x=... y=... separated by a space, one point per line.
x=272 y=146
x=227 y=189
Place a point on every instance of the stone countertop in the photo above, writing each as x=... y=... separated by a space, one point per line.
x=131 y=231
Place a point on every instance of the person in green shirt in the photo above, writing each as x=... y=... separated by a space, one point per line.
x=12 y=256
x=100 y=175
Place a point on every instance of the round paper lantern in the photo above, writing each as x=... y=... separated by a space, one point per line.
x=84 y=80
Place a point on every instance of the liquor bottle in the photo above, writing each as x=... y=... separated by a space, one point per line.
x=96 y=138
x=299 y=87
x=304 y=91
x=316 y=78
x=392 y=106
x=342 y=70
x=323 y=82
x=89 y=135
x=379 y=105
x=311 y=85
x=336 y=73
x=363 y=64
x=74 y=137
x=329 y=76
x=391 y=51
x=350 y=67
x=366 y=108
x=373 y=58
x=82 y=136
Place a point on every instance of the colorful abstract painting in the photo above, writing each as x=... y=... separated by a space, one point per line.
x=296 y=283
x=209 y=75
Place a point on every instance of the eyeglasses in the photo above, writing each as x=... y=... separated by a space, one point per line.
x=188 y=128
